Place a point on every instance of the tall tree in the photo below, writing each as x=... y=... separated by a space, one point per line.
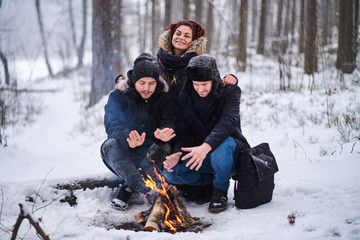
x=254 y=20
x=210 y=25
x=4 y=61
x=186 y=5
x=198 y=11
x=346 y=53
x=168 y=7
x=43 y=38
x=241 y=57
x=293 y=18
x=279 y=18
x=325 y=17
x=311 y=37
x=262 y=28
x=155 y=22
x=81 y=48
x=302 y=26
x=106 y=47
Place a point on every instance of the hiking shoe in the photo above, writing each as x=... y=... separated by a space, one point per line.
x=218 y=202
x=122 y=198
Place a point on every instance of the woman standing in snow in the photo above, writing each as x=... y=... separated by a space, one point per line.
x=181 y=41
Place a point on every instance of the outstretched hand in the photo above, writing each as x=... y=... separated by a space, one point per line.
x=134 y=140
x=196 y=155
x=229 y=80
x=165 y=134
x=171 y=161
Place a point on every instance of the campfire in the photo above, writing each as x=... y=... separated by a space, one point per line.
x=168 y=213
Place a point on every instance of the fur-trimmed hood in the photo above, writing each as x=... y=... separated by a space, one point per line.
x=198 y=46
x=124 y=87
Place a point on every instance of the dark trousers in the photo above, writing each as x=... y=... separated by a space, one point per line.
x=132 y=167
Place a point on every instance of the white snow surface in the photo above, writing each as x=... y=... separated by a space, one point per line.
x=318 y=179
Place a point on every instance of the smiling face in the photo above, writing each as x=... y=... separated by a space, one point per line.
x=181 y=39
x=145 y=87
x=202 y=88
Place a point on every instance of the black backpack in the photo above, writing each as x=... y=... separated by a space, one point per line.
x=254 y=181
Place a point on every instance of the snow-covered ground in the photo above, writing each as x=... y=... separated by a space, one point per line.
x=318 y=181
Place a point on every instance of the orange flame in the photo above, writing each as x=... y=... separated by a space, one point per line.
x=149 y=182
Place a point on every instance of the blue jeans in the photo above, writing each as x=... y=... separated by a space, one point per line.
x=125 y=164
x=217 y=168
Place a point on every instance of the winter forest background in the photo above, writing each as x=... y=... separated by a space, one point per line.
x=297 y=65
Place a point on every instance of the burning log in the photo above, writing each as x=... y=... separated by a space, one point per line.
x=157 y=213
x=167 y=213
x=186 y=218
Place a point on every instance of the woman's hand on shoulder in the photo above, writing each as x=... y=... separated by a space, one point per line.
x=229 y=80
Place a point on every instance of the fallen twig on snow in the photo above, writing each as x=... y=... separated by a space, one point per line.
x=25 y=214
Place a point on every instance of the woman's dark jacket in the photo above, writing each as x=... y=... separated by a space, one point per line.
x=211 y=119
x=126 y=110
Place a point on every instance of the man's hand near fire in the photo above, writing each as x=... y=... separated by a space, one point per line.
x=134 y=140
x=196 y=155
x=171 y=161
x=165 y=134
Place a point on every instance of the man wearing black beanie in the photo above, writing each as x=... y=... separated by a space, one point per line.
x=209 y=132
x=138 y=119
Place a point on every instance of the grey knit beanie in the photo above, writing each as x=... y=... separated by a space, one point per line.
x=203 y=68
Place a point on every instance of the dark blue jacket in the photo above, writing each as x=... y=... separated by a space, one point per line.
x=126 y=110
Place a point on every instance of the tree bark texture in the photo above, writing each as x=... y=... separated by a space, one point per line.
x=302 y=26
x=43 y=38
x=106 y=47
x=262 y=28
x=6 y=68
x=346 y=53
x=241 y=58
x=311 y=37
x=210 y=25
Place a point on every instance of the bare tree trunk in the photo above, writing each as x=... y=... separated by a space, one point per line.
x=254 y=20
x=81 y=48
x=293 y=18
x=6 y=68
x=279 y=18
x=346 y=55
x=285 y=42
x=72 y=24
x=262 y=28
x=186 y=9
x=210 y=25
x=302 y=26
x=43 y=38
x=325 y=22
x=198 y=11
x=241 y=57
x=311 y=37
x=106 y=47
x=155 y=22
x=168 y=7
x=356 y=25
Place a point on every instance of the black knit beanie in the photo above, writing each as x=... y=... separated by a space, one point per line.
x=144 y=66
